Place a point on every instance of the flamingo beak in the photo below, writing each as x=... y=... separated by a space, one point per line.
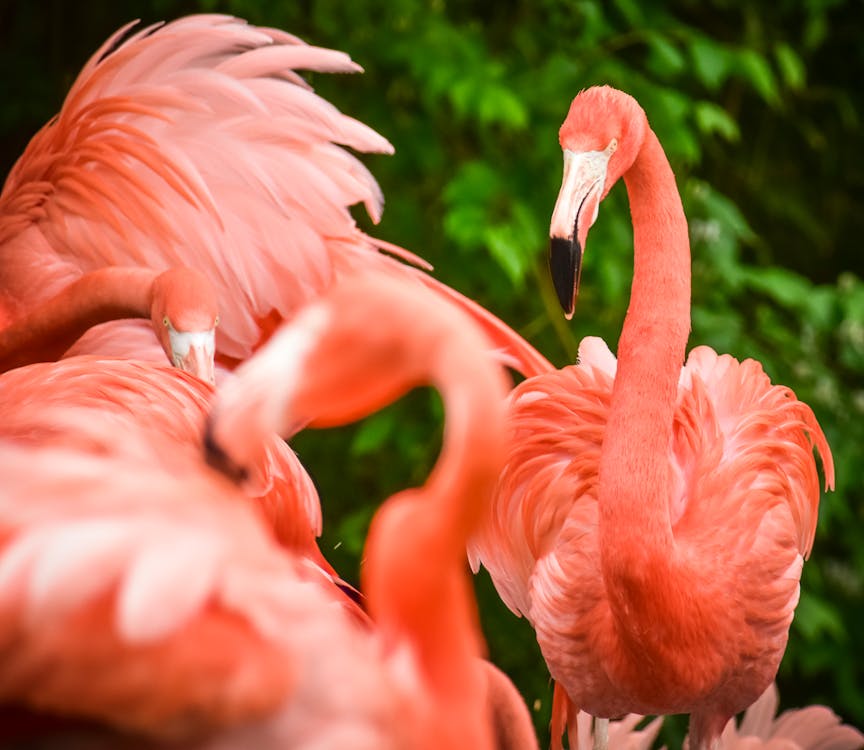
x=217 y=457
x=575 y=211
x=194 y=352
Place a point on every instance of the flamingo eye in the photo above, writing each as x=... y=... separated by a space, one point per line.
x=612 y=147
x=216 y=322
x=166 y=322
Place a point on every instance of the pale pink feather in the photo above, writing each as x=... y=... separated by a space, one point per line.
x=809 y=728
x=197 y=143
x=747 y=488
x=46 y=403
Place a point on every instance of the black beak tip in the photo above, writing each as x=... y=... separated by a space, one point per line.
x=218 y=459
x=565 y=261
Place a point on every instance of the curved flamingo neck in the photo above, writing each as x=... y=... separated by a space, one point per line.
x=45 y=332
x=635 y=472
x=472 y=390
x=451 y=504
x=427 y=565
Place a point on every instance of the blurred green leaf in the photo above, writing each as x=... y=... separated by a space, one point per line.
x=500 y=105
x=665 y=59
x=373 y=433
x=513 y=243
x=755 y=69
x=711 y=62
x=785 y=287
x=815 y=617
x=790 y=64
x=713 y=119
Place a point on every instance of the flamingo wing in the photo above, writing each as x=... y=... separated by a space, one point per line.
x=557 y=421
x=46 y=404
x=750 y=439
x=165 y=591
x=194 y=143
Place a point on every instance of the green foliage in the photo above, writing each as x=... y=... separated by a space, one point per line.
x=759 y=108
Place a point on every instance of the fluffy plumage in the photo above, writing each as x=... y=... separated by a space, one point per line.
x=651 y=520
x=197 y=143
x=124 y=558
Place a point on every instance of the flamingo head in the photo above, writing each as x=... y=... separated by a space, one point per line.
x=600 y=138
x=184 y=314
x=333 y=363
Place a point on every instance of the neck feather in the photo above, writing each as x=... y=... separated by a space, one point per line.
x=635 y=471
x=45 y=332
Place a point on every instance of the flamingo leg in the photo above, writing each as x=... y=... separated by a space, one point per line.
x=601 y=733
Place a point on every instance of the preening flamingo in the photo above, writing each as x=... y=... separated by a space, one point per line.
x=180 y=303
x=651 y=520
x=196 y=143
x=138 y=588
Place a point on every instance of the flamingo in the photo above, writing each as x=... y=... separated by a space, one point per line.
x=138 y=566
x=44 y=404
x=414 y=575
x=196 y=143
x=180 y=303
x=651 y=521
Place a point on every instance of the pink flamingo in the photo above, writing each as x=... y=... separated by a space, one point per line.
x=180 y=303
x=651 y=520
x=134 y=564
x=45 y=404
x=195 y=143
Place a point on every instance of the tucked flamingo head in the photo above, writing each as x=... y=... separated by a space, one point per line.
x=600 y=138
x=184 y=313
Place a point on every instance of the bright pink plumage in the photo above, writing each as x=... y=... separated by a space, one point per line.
x=196 y=143
x=651 y=521
x=139 y=588
x=164 y=409
x=809 y=728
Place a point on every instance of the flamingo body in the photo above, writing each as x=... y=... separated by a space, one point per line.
x=744 y=487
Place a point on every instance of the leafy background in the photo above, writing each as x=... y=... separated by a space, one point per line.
x=759 y=107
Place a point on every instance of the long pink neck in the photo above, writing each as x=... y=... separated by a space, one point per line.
x=635 y=472
x=443 y=514
x=45 y=332
x=470 y=461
